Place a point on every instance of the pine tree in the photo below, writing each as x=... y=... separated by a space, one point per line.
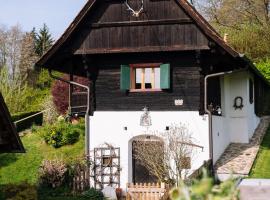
x=44 y=40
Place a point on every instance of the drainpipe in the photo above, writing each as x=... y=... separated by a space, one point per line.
x=210 y=120
x=87 y=125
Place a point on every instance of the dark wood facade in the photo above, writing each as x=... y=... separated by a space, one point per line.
x=105 y=35
x=163 y=25
x=185 y=84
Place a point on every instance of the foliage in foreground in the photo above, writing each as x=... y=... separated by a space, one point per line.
x=21 y=191
x=26 y=191
x=204 y=189
x=93 y=194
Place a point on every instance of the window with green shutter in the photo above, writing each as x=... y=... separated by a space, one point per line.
x=125 y=77
x=147 y=77
x=165 y=79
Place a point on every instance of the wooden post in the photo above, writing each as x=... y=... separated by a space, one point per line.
x=153 y=78
x=143 y=78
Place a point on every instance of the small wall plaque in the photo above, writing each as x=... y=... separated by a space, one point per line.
x=178 y=102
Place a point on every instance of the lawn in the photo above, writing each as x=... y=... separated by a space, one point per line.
x=16 y=168
x=261 y=167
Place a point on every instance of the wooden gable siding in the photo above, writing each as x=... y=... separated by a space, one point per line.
x=9 y=138
x=185 y=84
x=164 y=26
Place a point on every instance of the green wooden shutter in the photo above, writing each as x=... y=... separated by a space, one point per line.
x=165 y=79
x=125 y=77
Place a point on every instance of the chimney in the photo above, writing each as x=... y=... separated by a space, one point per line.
x=226 y=37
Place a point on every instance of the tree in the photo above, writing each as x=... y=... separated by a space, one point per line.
x=43 y=40
x=234 y=13
x=169 y=159
x=14 y=49
x=3 y=46
x=28 y=56
x=16 y=93
x=247 y=23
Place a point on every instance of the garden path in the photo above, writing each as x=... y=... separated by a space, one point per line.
x=237 y=160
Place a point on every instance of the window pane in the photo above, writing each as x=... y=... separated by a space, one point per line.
x=157 y=78
x=148 y=81
x=148 y=72
x=138 y=75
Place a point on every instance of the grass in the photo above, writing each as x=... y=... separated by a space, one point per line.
x=261 y=167
x=17 y=168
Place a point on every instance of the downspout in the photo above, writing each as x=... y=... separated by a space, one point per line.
x=87 y=125
x=210 y=120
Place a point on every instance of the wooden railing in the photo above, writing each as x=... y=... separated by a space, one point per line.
x=145 y=191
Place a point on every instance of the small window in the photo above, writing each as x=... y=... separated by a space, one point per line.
x=145 y=78
x=251 y=91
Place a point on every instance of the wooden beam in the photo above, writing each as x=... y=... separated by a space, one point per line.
x=142 y=23
x=153 y=78
x=142 y=49
x=143 y=78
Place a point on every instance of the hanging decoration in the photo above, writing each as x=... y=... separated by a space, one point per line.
x=238 y=103
x=145 y=118
x=135 y=13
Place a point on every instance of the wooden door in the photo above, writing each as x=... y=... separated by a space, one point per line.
x=140 y=173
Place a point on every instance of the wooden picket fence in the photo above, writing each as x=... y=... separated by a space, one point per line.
x=144 y=191
x=81 y=181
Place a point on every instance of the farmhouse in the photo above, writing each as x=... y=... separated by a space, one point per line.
x=163 y=57
x=9 y=138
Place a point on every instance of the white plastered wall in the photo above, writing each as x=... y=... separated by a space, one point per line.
x=109 y=127
x=235 y=125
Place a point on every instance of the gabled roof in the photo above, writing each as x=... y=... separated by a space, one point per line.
x=9 y=139
x=188 y=8
x=199 y=20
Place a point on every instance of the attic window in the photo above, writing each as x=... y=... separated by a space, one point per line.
x=145 y=77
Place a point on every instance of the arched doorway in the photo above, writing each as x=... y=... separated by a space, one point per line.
x=140 y=173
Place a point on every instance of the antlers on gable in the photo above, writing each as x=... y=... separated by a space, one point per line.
x=135 y=13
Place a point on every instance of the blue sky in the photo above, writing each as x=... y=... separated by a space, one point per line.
x=57 y=14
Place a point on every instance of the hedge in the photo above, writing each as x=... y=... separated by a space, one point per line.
x=23 y=125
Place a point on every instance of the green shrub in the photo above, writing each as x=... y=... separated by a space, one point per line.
x=61 y=133
x=93 y=194
x=22 y=191
x=28 y=123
